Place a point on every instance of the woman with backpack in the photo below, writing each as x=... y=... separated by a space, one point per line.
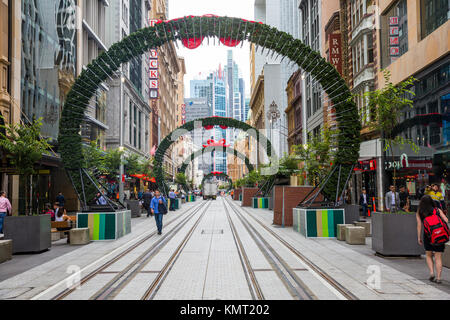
x=435 y=234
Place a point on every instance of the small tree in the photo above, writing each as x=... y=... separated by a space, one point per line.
x=24 y=147
x=387 y=105
x=316 y=155
x=112 y=161
x=133 y=164
x=180 y=178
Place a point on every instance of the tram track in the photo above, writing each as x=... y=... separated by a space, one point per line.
x=345 y=293
x=287 y=276
x=106 y=291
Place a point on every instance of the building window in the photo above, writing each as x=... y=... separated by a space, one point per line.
x=125 y=13
x=434 y=13
x=400 y=31
x=435 y=134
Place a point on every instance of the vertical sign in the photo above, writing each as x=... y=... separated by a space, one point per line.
x=183 y=114
x=153 y=70
x=394 y=49
x=335 y=54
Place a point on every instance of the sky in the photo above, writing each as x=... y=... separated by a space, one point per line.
x=206 y=58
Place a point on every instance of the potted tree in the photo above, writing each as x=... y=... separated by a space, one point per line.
x=393 y=234
x=24 y=148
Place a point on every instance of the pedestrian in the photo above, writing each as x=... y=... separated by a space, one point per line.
x=60 y=199
x=364 y=203
x=100 y=199
x=404 y=198
x=61 y=214
x=172 y=197
x=5 y=208
x=159 y=208
x=392 y=200
x=48 y=210
x=436 y=195
x=147 y=198
x=140 y=193
x=426 y=209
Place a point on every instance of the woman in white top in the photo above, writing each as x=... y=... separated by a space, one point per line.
x=61 y=215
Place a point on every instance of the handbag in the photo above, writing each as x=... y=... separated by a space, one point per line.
x=162 y=208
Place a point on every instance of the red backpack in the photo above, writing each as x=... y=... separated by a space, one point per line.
x=435 y=229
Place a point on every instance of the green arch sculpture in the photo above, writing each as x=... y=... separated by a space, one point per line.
x=200 y=152
x=224 y=28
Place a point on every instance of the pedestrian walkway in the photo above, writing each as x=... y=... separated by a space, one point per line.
x=219 y=250
x=401 y=278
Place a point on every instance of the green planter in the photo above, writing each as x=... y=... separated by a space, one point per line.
x=318 y=222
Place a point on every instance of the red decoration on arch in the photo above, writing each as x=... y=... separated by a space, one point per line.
x=212 y=143
x=216 y=172
x=230 y=42
x=223 y=127
x=192 y=43
x=208 y=127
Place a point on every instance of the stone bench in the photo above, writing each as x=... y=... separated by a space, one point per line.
x=341 y=231
x=446 y=256
x=365 y=225
x=79 y=236
x=355 y=235
x=5 y=250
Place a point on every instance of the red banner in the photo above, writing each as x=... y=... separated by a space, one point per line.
x=335 y=53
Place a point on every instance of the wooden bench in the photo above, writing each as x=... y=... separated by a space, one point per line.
x=63 y=227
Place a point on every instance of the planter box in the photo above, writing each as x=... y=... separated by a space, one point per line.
x=190 y=198
x=135 y=208
x=237 y=193
x=318 y=222
x=105 y=225
x=28 y=233
x=351 y=212
x=247 y=195
x=285 y=199
x=395 y=234
x=260 y=203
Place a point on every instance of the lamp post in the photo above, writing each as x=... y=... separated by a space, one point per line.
x=121 y=147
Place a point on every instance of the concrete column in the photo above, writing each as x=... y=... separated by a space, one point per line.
x=365 y=46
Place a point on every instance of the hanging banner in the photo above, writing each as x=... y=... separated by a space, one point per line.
x=153 y=70
x=335 y=54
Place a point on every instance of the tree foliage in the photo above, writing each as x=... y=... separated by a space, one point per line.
x=23 y=145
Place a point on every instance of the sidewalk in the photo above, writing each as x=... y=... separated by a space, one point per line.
x=25 y=276
x=401 y=278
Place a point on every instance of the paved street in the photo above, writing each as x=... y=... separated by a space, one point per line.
x=215 y=250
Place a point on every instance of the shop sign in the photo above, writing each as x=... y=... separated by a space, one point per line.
x=394 y=41
x=153 y=70
x=336 y=51
x=402 y=163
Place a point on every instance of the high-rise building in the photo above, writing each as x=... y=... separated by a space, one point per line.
x=122 y=19
x=283 y=15
x=10 y=87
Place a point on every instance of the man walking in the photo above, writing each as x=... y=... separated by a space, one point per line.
x=147 y=198
x=363 y=202
x=60 y=199
x=404 y=199
x=5 y=208
x=158 y=207
x=392 y=200
x=172 y=197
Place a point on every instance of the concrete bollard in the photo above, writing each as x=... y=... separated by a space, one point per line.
x=446 y=256
x=365 y=225
x=341 y=231
x=79 y=236
x=355 y=235
x=5 y=250
x=56 y=236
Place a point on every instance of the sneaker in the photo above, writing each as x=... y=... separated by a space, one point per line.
x=159 y=232
x=431 y=278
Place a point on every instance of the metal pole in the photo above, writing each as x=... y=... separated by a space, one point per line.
x=121 y=168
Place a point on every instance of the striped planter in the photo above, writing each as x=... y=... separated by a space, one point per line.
x=260 y=203
x=317 y=222
x=190 y=198
x=105 y=225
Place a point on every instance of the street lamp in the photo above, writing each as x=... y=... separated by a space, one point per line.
x=121 y=147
